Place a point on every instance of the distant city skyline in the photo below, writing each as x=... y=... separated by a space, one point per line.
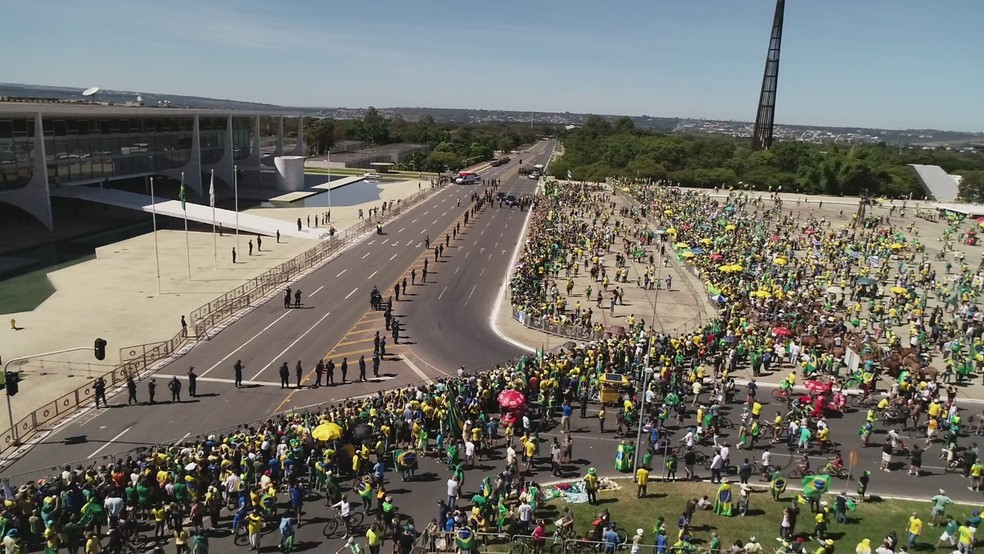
x=879 y=63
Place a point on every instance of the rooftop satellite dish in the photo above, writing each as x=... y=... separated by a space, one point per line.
x=91 y=91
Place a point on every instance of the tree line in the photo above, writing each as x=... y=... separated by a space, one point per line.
x=600 y=149
x=453 y=145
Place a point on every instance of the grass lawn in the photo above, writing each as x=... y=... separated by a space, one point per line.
x=873 y=519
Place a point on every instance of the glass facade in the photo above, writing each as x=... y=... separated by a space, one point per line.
x=95 y=148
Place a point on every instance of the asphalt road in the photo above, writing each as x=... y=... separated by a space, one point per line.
x=333 y=322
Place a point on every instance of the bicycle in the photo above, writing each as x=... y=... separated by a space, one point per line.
x=829 y=469
x=354 y=522
x=798 y=473
x=240 y=535
x=862 y=402
x=780 y=394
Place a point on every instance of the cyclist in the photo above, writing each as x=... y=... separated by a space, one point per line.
x=834 y=466
x=344 y=512
x=803 y=465
x=240 y=516
x=565 y=526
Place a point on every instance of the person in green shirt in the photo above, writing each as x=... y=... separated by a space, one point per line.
x=715 y=545
x=940 y=502
x=949 y=534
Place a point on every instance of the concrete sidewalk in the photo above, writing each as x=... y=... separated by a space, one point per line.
x=115 y=296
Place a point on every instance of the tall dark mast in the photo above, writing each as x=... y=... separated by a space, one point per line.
x=762 y=137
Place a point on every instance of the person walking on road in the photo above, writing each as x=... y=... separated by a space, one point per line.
x=131 y=390
x=192 y=382
x=298 y=371
x=362 y=367
x=330 y=372
x=344 y=369
x=287 y=298
x=152 y=389
x=284 y=376
x=175 y=387
x=100 y=391
x=297 y=298
x=239 y=373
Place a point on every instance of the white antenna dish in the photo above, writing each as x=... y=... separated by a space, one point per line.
x=91 y=91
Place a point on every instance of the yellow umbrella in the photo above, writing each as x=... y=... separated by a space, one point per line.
x=725 y=268
x=896 y=245
x=705 y=241
x=327 y=431
x=762 y=294
x=668 y=211
x=730 y=227
x=898 y=290
x=780 y=261
x=681 y=245
x=687 y=254
x=737 y=267
x=672 y=230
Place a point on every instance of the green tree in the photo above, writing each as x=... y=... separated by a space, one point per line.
x=972 y=186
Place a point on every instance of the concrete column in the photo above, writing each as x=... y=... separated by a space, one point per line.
x=193 y=169
x=35 y=197
x=299 y=148
x=279 y=150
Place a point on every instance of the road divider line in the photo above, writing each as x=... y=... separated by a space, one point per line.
x=349 y=295
x=367 y=255
x=291 y=345
x=394 y=256
x=373 y=274
x=316 y=292
x=340 y=273
x=413 y=367
x=240 y=347
x=401 y=229
x=439 y=296
x=109 y=442
x=470 y=295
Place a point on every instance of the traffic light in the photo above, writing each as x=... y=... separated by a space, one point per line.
x=100 y=349
x=11 y=378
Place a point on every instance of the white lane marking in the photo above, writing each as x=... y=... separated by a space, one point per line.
x=240 y=347
x=425 y=213
x=351 y=293
x=422 y=231
x=371 y=242
x=373 y=274
x=496 y=244
x=367 y=255
x=401 y=229
x=445 y=213
x=490 y=256
x=500 y=235
x=416 y=370
x=297 y=340
x=439 y=296
x=316 y=292
x=467 y=253
x=482 y=272
x=340 y=273
x=435 y=222
x=414 y=221
x=470 y=294
x=109 y=442
x=482 y=233
x=393 y=256
x=435 y=205
x=456 y=270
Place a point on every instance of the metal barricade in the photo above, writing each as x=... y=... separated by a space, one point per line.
x=491 y=543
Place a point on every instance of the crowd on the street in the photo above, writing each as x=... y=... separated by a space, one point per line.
x=794 y=294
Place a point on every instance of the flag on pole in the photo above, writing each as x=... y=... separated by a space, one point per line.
x=181 y=195
x=569 y=178
x=211 y=191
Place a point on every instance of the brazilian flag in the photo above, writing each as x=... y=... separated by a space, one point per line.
x=778 y=483
x=465 y=539
x=815 y=485
x=454 y=420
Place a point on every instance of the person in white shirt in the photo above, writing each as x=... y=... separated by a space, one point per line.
x=725 y=452
x=688 y=439
x=469 y=453
x=452 y=491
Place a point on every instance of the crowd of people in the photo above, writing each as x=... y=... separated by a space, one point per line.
x=796 y=293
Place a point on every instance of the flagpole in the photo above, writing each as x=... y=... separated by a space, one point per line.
x=187 y=240
x=211 y=200
x=235 y=188
x=157 y=251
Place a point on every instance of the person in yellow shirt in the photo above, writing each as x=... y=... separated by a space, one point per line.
x=254 y=526
x=92 y=544
x=374 y=538
x=160 y=516
x=915 y=529
x=642 y=479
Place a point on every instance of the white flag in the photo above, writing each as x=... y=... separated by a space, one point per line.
x=211 y=191
x=569 y=178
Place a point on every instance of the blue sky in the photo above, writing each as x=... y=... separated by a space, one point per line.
x=873 y=63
